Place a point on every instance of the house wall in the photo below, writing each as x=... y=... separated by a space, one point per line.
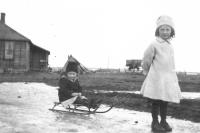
x=2 y=49
x=27 y=56
x=13 y=56
x=38 y=59
x=21 y=56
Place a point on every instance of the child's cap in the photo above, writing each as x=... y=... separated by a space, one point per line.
x=165 y=20
x=72 y=66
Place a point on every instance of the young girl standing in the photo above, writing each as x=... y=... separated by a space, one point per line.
x=161 y=83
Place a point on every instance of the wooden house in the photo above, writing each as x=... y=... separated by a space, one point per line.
x=18 y=53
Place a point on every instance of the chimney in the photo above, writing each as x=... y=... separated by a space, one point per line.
x=3 y=18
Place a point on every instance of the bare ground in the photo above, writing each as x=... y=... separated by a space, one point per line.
x=24 y=108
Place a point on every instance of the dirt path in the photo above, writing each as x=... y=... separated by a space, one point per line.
x=24 y=109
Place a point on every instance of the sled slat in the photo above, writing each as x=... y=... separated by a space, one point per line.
x=77 y=109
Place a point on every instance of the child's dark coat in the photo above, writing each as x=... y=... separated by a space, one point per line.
x=67 y=87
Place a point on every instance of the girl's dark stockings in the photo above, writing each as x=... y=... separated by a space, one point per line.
x=159 y=106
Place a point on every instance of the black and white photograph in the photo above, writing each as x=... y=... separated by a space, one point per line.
x=99 y=66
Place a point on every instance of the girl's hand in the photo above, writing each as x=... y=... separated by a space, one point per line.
x=76 y=94
x=83 y=97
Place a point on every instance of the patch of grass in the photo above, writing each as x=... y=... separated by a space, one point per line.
x=187 y=109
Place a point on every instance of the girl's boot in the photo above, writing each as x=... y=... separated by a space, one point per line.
x=155 y=125
x=163 y=114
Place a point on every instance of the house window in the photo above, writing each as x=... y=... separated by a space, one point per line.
x=9 y=49
x=2 y=51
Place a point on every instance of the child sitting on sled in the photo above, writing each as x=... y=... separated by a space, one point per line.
x=70 y=91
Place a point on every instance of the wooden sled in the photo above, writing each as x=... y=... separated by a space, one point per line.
x=78 y=108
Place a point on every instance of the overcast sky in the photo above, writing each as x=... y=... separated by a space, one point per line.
x=104 y=33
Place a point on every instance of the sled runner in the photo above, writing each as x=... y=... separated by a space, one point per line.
x=78 y=108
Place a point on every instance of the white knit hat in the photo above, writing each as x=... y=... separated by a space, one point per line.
x=165 y=20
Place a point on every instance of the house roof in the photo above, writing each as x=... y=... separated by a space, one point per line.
x=48 y=52
x=7 y=33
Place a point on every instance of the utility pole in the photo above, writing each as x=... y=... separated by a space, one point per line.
x=108 y=62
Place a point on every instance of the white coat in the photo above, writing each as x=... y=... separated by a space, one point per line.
x=161 y=82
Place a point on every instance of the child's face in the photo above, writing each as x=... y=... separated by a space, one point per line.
x=165 y=32
x=72 y=75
